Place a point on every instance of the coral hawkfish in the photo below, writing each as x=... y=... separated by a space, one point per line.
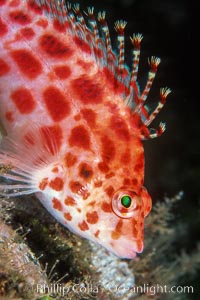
x=75 y=118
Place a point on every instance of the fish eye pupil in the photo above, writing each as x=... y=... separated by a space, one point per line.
x=126 y=201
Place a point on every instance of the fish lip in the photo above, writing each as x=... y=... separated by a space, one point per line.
x=129 y=255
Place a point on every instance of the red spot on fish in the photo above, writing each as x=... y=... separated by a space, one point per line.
x=112 y=107
x=103 y=167
x=126 y=158
x=70 y=201
x=83 y=226
x=77 y=117
x=24 y=101
x=2 y=2
x=109 y=175
x=85 y=171
x=59 y=26
x=42 y=23
x=97 y=233
x=126 y=181
x=14 y=3
x=55 y=170
x=119 y=225
x=139 y=245
x=92 y=203
x=135 y=182
x=9 y=116
x=139 y=166
x=92 y=217
x=87 y=90
x=63 y=72
x=80 y=137
x=85 y=194
x=4 y=68
x=43 y=184
x=108 y=149
x=85 y=65
x=35 y=7
x=109 y=191
x=115 y=235
x=3 y=28
x=56 y=184
x=147 y=210
x=57 y=204
x=106 y=207
x=90 y=116
x=81 y=44
x=27 y=63
x=27 y=32
x=98 y=183
x=70 y=159
x=20 y=17
x=57 y=104
x=120 y=127
x=67 y=216
x=52 y=137
x=55 y=48
x=118 y=231
x=75 y=186
x=134 y=228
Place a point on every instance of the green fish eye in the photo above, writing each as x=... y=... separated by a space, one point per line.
x=126 y=201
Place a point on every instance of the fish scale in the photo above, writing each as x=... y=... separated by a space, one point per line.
x=75 y=120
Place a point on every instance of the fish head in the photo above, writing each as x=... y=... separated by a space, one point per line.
x=115 y=217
